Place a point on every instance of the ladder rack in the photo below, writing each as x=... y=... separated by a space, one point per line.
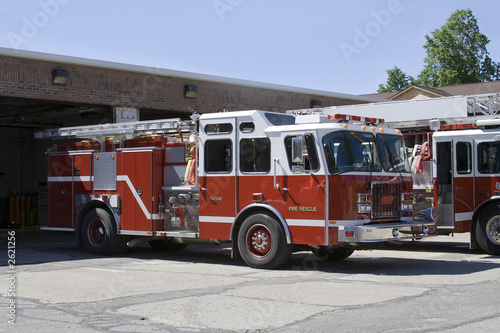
x=162 y=126
x=486 y=105
x=423 y=113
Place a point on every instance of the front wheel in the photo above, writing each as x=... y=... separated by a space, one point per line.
x=166 y=245
x=328 y=254
x=488 y=229
x=99 y=234
x=262 y=242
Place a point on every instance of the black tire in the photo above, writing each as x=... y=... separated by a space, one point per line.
x=262 y=242
x=328 y=254
x=166 y=245
x=99 y=235
x=488 y=229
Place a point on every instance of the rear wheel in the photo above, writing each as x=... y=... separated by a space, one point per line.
x=488 y=229
x=328 y=254
x=99 y=234
x=166 y=245
x=262 y=242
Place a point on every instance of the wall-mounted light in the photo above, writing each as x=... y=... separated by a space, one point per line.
x=316 y=103
x=60 y=76
x=190 y=91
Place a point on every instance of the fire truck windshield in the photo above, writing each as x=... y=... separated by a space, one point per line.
x=351 y=151
x=392 y=153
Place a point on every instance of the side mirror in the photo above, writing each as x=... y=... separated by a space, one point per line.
x=297 y=150
x=297 y=155
x=304 y=154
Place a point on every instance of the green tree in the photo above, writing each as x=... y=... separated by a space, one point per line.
x=490 y=70
x=457 y=53
x=397 y=80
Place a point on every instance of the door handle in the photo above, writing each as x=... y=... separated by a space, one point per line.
x=276 y=185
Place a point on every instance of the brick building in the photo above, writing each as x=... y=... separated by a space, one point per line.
x=39 y=91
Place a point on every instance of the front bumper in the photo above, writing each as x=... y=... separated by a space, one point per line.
x=386 y=232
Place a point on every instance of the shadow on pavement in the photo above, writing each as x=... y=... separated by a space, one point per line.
x=37 y=247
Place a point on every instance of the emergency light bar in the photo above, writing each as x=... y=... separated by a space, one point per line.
x=458 y=126
x=346 y=117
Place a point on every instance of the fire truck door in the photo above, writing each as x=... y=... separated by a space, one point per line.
x=61 y=191
x=217 y=179
x=137 y=189
x=463 y=184
x=444 y=183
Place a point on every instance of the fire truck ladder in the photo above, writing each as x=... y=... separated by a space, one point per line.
x=483 y=105
x=118 y=130
x=483 y=109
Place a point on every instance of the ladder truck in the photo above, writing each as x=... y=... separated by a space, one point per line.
x=266 y=183
x=455 y=160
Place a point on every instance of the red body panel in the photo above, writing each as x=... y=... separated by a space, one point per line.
x=214 y=230
x=344 y=189
x=307 y=235
x=217 y=196
x=137 y=166
x=464 y=200
x=71 y=175
x=300 y=199
x=485 y=188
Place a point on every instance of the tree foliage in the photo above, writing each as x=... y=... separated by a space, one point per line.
x=396 y=80
x=455 y=54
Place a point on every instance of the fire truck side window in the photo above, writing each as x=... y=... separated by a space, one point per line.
x=247 y=127
x=255 y=155
x=464 y=158
x=305 y=165
x=218 y=156
x=224 y=128
x=488 y=155
x=280 y=119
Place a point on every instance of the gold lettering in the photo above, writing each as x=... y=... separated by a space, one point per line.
x=302 y=209
x=215 y=198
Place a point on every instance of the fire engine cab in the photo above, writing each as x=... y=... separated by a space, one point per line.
x=455 y=160
x=267 y=183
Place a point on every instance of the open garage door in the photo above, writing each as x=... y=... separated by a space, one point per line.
x=23 y=169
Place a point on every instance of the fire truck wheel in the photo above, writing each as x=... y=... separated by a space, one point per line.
x=488 y=229
x=262 y=242
x=99 y=234
x=166 y=245
x=327 y=254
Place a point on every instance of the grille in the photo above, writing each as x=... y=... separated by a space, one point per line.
x=386 y=200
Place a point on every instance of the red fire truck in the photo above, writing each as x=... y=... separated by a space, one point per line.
x=455 y=160
x=267 y=183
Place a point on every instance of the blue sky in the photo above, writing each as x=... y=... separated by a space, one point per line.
x=339 y=46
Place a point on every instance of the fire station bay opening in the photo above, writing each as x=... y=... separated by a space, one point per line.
x=23 y=164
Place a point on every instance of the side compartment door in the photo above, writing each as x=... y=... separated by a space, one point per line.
x=82 y=180
x=136 y=190
x=463 y=184
x=217 y=170
x=60 y=191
